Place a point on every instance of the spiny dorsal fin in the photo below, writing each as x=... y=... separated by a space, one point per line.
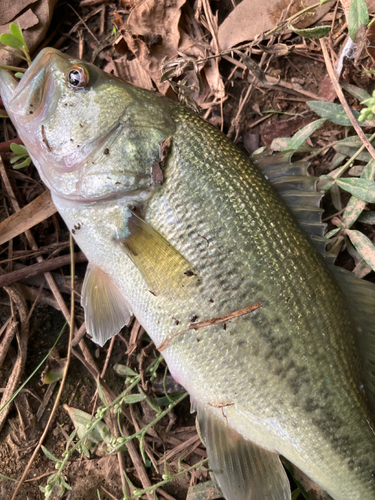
x=163 y=268
x=298 y=190
x=106 y=309
x=242 y=469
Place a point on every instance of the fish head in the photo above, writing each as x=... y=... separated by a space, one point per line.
x=91 y=135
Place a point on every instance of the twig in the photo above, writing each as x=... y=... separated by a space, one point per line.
x=210 y=322
x=5 y=146
x=343 y=101
x=40 y=267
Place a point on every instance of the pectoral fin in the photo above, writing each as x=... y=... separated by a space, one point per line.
x=243 y=470
x=163 y=268
x=106 y=309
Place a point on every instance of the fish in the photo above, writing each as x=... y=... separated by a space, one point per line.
x=222 y=259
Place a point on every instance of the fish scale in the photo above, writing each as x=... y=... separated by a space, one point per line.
x=213 y=238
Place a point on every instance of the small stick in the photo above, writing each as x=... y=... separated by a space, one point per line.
x=210 y=322
x=41 y=267
x=343 y=101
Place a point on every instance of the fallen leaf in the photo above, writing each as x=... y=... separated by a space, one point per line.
x=326 y=90
x=248 y=20
x=10 y=9
x=27 y=20
x=130 y=71
x=152 y=35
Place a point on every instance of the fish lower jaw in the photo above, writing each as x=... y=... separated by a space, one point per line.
x=125 y=197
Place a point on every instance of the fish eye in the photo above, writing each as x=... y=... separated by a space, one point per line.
x=78 y=77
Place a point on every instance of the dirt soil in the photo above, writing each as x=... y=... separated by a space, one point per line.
x=252 y=112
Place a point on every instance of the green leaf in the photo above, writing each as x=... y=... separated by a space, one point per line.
x=17 y=33
x=333 y=112
x=369 y=170
x=364 y=246
x=300 y=137
x=134 y=398
x=355 y=91
x=353 y=210
x=352 y=142
x=358 y=15
x=333 y=232
x=361 y=188
x=11 y=41
x=124 y=370
x=367 y=218
x=280 y=144
x=335 y=197
x=25 y=163
x=18 y=148
x=85 y=451
x=100 y=391
x=49 y=454
x=316 y=32
x=349 y=152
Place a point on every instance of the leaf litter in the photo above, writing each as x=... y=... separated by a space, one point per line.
x=176 y=47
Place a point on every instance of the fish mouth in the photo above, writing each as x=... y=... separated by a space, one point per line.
x=35 y=92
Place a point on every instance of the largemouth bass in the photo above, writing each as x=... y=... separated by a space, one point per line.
x=184 y=231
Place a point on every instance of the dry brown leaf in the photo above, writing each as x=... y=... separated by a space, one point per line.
x=248 y=20
x=190 y=47
x=130 y=71
x=35 y=21
x=10 y=9
x=27 y=20
x=152 y=35
x=30 y=215
x=326 y=90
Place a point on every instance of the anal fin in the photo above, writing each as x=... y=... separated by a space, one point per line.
x=243 y=470
x=106 y=309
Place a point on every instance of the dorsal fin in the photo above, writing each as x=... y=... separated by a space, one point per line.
x=242 y=469
x=298 y=190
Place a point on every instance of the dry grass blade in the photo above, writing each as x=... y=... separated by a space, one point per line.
x=30 y=215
